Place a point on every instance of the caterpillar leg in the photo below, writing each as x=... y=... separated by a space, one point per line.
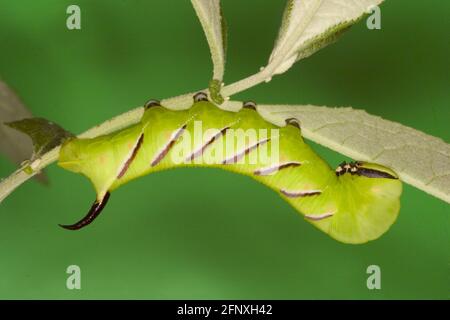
x=93 y=213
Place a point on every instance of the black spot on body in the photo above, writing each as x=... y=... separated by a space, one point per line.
x=249 y=105
x=152 y=103
x=200 y=96
x=293 y=122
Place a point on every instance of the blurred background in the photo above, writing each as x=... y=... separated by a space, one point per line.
x=205 y=233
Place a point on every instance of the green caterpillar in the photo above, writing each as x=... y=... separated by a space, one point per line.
x=355 y=203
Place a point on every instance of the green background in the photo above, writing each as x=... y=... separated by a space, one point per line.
x=205 y=233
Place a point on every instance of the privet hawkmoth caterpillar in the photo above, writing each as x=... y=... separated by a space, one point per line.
x=355 y=203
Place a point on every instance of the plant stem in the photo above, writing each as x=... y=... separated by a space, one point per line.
x=244 y=84
x=20 y=176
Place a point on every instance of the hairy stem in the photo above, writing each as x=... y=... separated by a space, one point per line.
x=244 y=84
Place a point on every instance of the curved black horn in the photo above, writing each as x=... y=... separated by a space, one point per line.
x=93 y=213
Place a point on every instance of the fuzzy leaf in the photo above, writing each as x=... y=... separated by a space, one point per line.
x=309 y=25
x=44 y=134
x=420 y=159
x=209 y=13
x=13 y=144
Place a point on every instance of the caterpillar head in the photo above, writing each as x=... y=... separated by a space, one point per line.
x=366 y=169
x=363 y=205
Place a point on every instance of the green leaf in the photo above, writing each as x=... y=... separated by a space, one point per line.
x=330 y=36
x=309 y=25
x=418 y=158
x=44 y=134
x=13 y=144
x=209 y=13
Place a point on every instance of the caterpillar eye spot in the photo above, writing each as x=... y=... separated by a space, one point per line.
x=152 y=103
x=345 y=167
x=339 y=171
x=200 y=96
x=293 y=122
x=249 y=105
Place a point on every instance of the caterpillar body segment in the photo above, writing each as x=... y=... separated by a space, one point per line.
x=355 y=203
